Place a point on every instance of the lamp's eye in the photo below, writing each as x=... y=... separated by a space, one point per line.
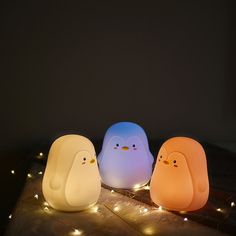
x=117 y=145
x=174 y=161
x=84 y=158
x=133 y=145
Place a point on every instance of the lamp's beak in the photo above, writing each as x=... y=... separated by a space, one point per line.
x=166 y=162
x=125 y=148
x=92 y=161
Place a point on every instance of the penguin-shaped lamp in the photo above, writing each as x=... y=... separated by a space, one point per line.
x=71 y=180
x=125 y=160
x=180 y=179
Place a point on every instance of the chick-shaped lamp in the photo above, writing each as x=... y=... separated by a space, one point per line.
x=180 y=180
x=125 y=160
x=71 y=180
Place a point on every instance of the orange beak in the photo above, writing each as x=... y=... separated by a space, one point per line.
x=92 y=161
x=166 y=162
x=125 y=148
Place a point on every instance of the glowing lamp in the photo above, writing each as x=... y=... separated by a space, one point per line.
x=180 y=179
x=125 y=160
x=71 y=181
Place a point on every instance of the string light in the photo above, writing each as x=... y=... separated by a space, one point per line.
x=148 y=231
x=232 y=204
x=46 y=209
x=10 y=216
x=185 y=219
x=94 y=209
x=36 y=196
x=145 y=210
x=159 y=208
x=40 y=154
x=147 y=187
x=29 y=175
x=76 y=232
x=112 y=191
x=13 y=172
x=116 y=208
x=40 y=172
x=45 y=203
x=219 y=210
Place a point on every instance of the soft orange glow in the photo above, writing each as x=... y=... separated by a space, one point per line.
x=180 y=179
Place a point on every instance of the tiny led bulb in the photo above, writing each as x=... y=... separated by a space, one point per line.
x=160 y=208
x=219 y=210
x=116 y=208
x=45 y=204
x=145 y=210
x=29 y=175
x=77 y=232
x=13 y=172
x=36 y=196
x=40 y=172
x=232 y=204
x=112 y=191
x=10 y=216
x=185 y=219
x=147 y=187
x=41 y=154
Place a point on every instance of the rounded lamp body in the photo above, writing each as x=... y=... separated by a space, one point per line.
x=180 y=179
x=125 y=160
x=71 y=181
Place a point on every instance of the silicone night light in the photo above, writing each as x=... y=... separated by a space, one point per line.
x=125 y=160
x=180 y=179
x=71 y=181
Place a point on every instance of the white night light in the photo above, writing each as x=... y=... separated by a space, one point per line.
x=71 y=180
x=125 y=160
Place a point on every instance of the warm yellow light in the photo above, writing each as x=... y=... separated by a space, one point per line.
x=41 y=154
x=36 y=196
x=45 y=204
x=46 y=209
x=76 y=232
x=10 y=216
x=147 y=187
x=71 y=181
x=116 y=208
x=219 y=209
x=94 y=209
x=148 y=231
x=160 y=208
x=185 y=219
x=13 y=172
x=40 y=172
x=112 y=191
x=183 y=212
x=232 y=204
x=29 y=175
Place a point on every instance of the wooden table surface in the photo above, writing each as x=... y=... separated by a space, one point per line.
x=118 y=212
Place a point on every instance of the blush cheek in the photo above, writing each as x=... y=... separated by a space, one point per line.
x=115 y=147
x=135 y=148
x=175 y=166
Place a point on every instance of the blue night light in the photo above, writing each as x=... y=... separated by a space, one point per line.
x=125 y=160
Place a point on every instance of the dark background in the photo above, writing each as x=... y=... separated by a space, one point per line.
x=80 y=66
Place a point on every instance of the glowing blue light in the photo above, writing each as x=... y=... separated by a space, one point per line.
x=125 y=160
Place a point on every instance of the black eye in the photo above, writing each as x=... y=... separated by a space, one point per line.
x=133 y=145
x=84 y=158
x=160 y=156
x=174 y=161
x=117 y=144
